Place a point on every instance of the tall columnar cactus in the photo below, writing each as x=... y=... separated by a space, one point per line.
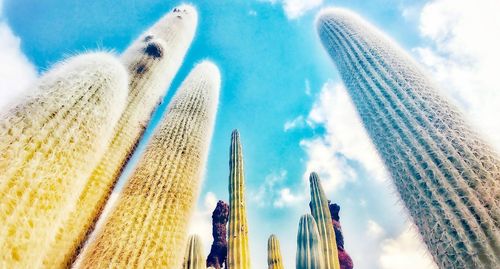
x=49 y=144
x=218 y=251
x=321 y=213
x=148 y=225
x=309 y=250
x=152 y=61
x=194 y=257
x=447 y=176
x=238 y=256
x=345 y=260
x=274 y=260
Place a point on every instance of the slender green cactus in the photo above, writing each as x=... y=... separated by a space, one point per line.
x=321 y=213
x=194 y=257
x=238 y=256
x=446 y=174
x=309 y=252
x=49 y=144
x=274 y=260
x=148 y=225
x=152 y=61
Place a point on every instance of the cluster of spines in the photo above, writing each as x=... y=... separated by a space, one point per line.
x=152 y=61
x=238 y=252
x=148 y=224
x=274 y=260
x=446 y=175
x=49 y=143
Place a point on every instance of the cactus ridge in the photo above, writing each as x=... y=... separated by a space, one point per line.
x=238 y=252
x=309 y=250
x=149 y=221
x=152 y=61
x=194 y=258
x=274 y=260
x=446 y=175
x=48 y=145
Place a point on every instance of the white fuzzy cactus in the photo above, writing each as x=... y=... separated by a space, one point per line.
x=49 y=143
x=147 y=228
x=152 y=61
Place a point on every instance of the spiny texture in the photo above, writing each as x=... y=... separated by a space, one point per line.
x=194 y=258
x=152 y=61
x=447 y=176
x=238 y=253
x=218 y=251
x=345 y=260
x=274 y=260
x=49 y=144
x=148 y=225
x=309 y=251
x=321 y=214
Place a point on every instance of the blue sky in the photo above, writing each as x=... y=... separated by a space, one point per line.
x=284 y=95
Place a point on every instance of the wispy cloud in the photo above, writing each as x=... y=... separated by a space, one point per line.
x=296 y=8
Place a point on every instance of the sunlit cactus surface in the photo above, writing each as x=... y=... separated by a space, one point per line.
x=194 y=257
x=309 y=250
x=274 y=260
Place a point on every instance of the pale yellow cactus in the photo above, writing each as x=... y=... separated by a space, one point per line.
x=274 y=260
x=152 y=60
x=147 y=228
x=194 y=258
x=49 y=143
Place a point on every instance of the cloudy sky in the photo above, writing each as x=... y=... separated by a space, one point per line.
x=284 y=94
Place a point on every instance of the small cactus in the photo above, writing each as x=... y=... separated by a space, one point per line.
x=274 y=260
x=194 y=258
x=49 y=144
x=309 y=251
x=149 y=222
x=238 y=252
x=152 y=61
x=321 y=213
x=218 y=251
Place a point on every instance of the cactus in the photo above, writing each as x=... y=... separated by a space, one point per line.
x=218 y=251
x=148 y=224
x=309 y=253
x=345 y=260
x=194 y=258
x=152 y=61
x=238 y=256
x=321 y=214
x=447 y=176
x=49 y=143
x=274 y=260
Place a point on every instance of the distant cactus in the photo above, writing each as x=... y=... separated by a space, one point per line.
x=345 y=260
x=321 y=213
x=194 y=257
x=445 y=173
x=274 y=260
x=218 y=252
x=152 y=61
x=148 y=224
x=49 y=144
x=238 y=252
x=309 y=251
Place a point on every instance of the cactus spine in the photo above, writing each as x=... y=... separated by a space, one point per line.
x=238 y=256
x=447 y=176
x=194 y=258
x=149 y=222
x=274 y=260
x=152 y=61
x=309 y=251
x=321 y=214
x=48 y=146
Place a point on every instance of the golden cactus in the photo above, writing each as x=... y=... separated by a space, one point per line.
x=49 y=144
x=149 y=222
x=152 y=61
x=238 y=256
x=194 y=258
x=274 y=260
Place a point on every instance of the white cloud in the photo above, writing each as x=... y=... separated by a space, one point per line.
x=345 y=140
x=287 y=198
x=201 y=222
x=298 y=122
x=374 y=230
x=405 y=251
x=463 y=56
x=296 y=8
x=272 y=192
x=16 y=71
